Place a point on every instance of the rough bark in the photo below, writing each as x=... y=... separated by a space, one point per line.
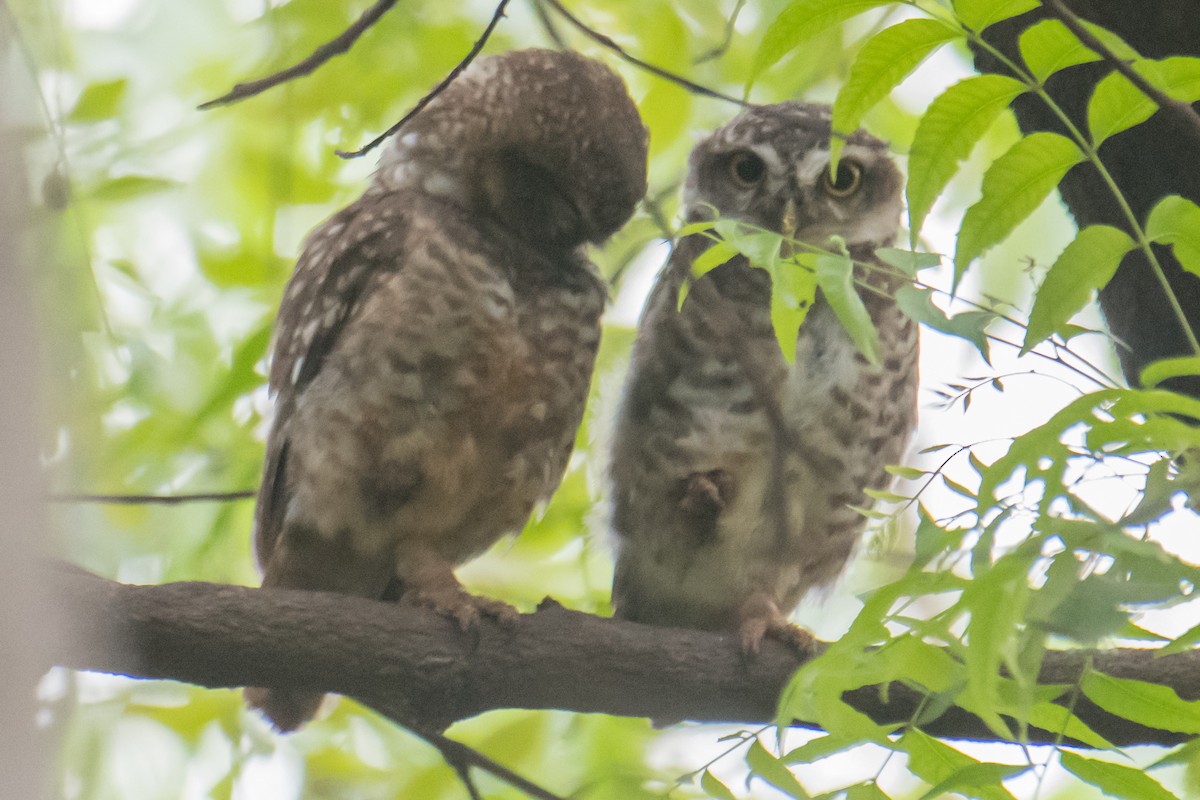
x=1148 y=162
x=417 y=668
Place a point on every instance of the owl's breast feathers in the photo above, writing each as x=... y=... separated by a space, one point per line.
x=691 y=412
x=432 y=388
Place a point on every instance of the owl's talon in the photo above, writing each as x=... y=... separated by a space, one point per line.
x=760 y=619
x=705 y=493
x=464 y=608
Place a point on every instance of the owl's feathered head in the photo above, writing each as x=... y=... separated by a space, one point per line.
x=769 y=166
x=547 y=142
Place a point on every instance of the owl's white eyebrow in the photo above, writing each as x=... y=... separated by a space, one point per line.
x=812 y=165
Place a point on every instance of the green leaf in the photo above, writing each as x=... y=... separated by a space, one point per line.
x=882 y=63
x=1115 y=780
x=946 y=134
x=934 y=762
x=978 y=14
x=835 y=276
x=917 y=304
x=713 y=257
x=906 y=473
x=1181 y=643
x=1102 y=595
x=1156 y=497
x=761 y=248
x=842 y=719
x=774 y=771
x=1056 y=719
x=717 y=254
x=1176 y=221
x=1013 y=187
x=1145 y=703
x=910 y=262
x=932 y=540
x=1040 y=452
x=910 y=659
x=1167 y=368
x=130 y=187
x=866 y=791
x=696 y=227
x=818 y=748
x=989 y=632
x=1118 y=105
x=800 y=21
x=99 y=101
x=710 y=784
x=975 y=779
x=1049 y=46
x=1085 y=265
x=793 y=290
x=1184 y=755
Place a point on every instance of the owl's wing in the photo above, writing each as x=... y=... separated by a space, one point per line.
x=338 y=263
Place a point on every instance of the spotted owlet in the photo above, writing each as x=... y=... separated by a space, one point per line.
x=435 y=344
x=735 y=473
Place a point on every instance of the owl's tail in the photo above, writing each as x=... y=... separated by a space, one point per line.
x=287 y=710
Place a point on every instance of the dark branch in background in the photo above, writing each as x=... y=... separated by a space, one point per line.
x=461 y=758
x=333 y=47
x=441 y=87
x=418 y=668
x=609 y=44
x=720 y=49
x=1183 y=110
x=348 y=37
x=539 y=9
x=153 y=499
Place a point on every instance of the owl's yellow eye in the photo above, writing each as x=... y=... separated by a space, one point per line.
x=746 y=169
x=847 y=181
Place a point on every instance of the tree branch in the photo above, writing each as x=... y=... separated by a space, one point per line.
x=335 y=46
x=475 y=50
x=419 y=669
x=607 y=42
x=153 y=499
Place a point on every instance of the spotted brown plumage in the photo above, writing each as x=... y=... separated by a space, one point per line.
x=721 y=521
x=435 y=344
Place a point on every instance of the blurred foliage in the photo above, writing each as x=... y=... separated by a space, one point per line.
x=164 y=236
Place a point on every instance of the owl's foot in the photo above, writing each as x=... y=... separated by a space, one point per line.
x=427 y=580
x=759 y=618
x=705 y=495
x=459 y=605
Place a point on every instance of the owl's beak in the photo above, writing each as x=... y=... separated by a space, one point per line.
x=788 y=223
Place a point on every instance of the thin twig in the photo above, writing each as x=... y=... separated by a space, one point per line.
x=654 y=209
x=152 y=499
x=464 y=775
x=441 y=87
x=539 y=9
x=606 y=42
x=720 y=49
x=462 y=757
x=336 y=46
x=1180 y=109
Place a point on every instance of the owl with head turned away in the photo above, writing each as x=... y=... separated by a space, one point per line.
x=736 y=472
x=434 y=346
